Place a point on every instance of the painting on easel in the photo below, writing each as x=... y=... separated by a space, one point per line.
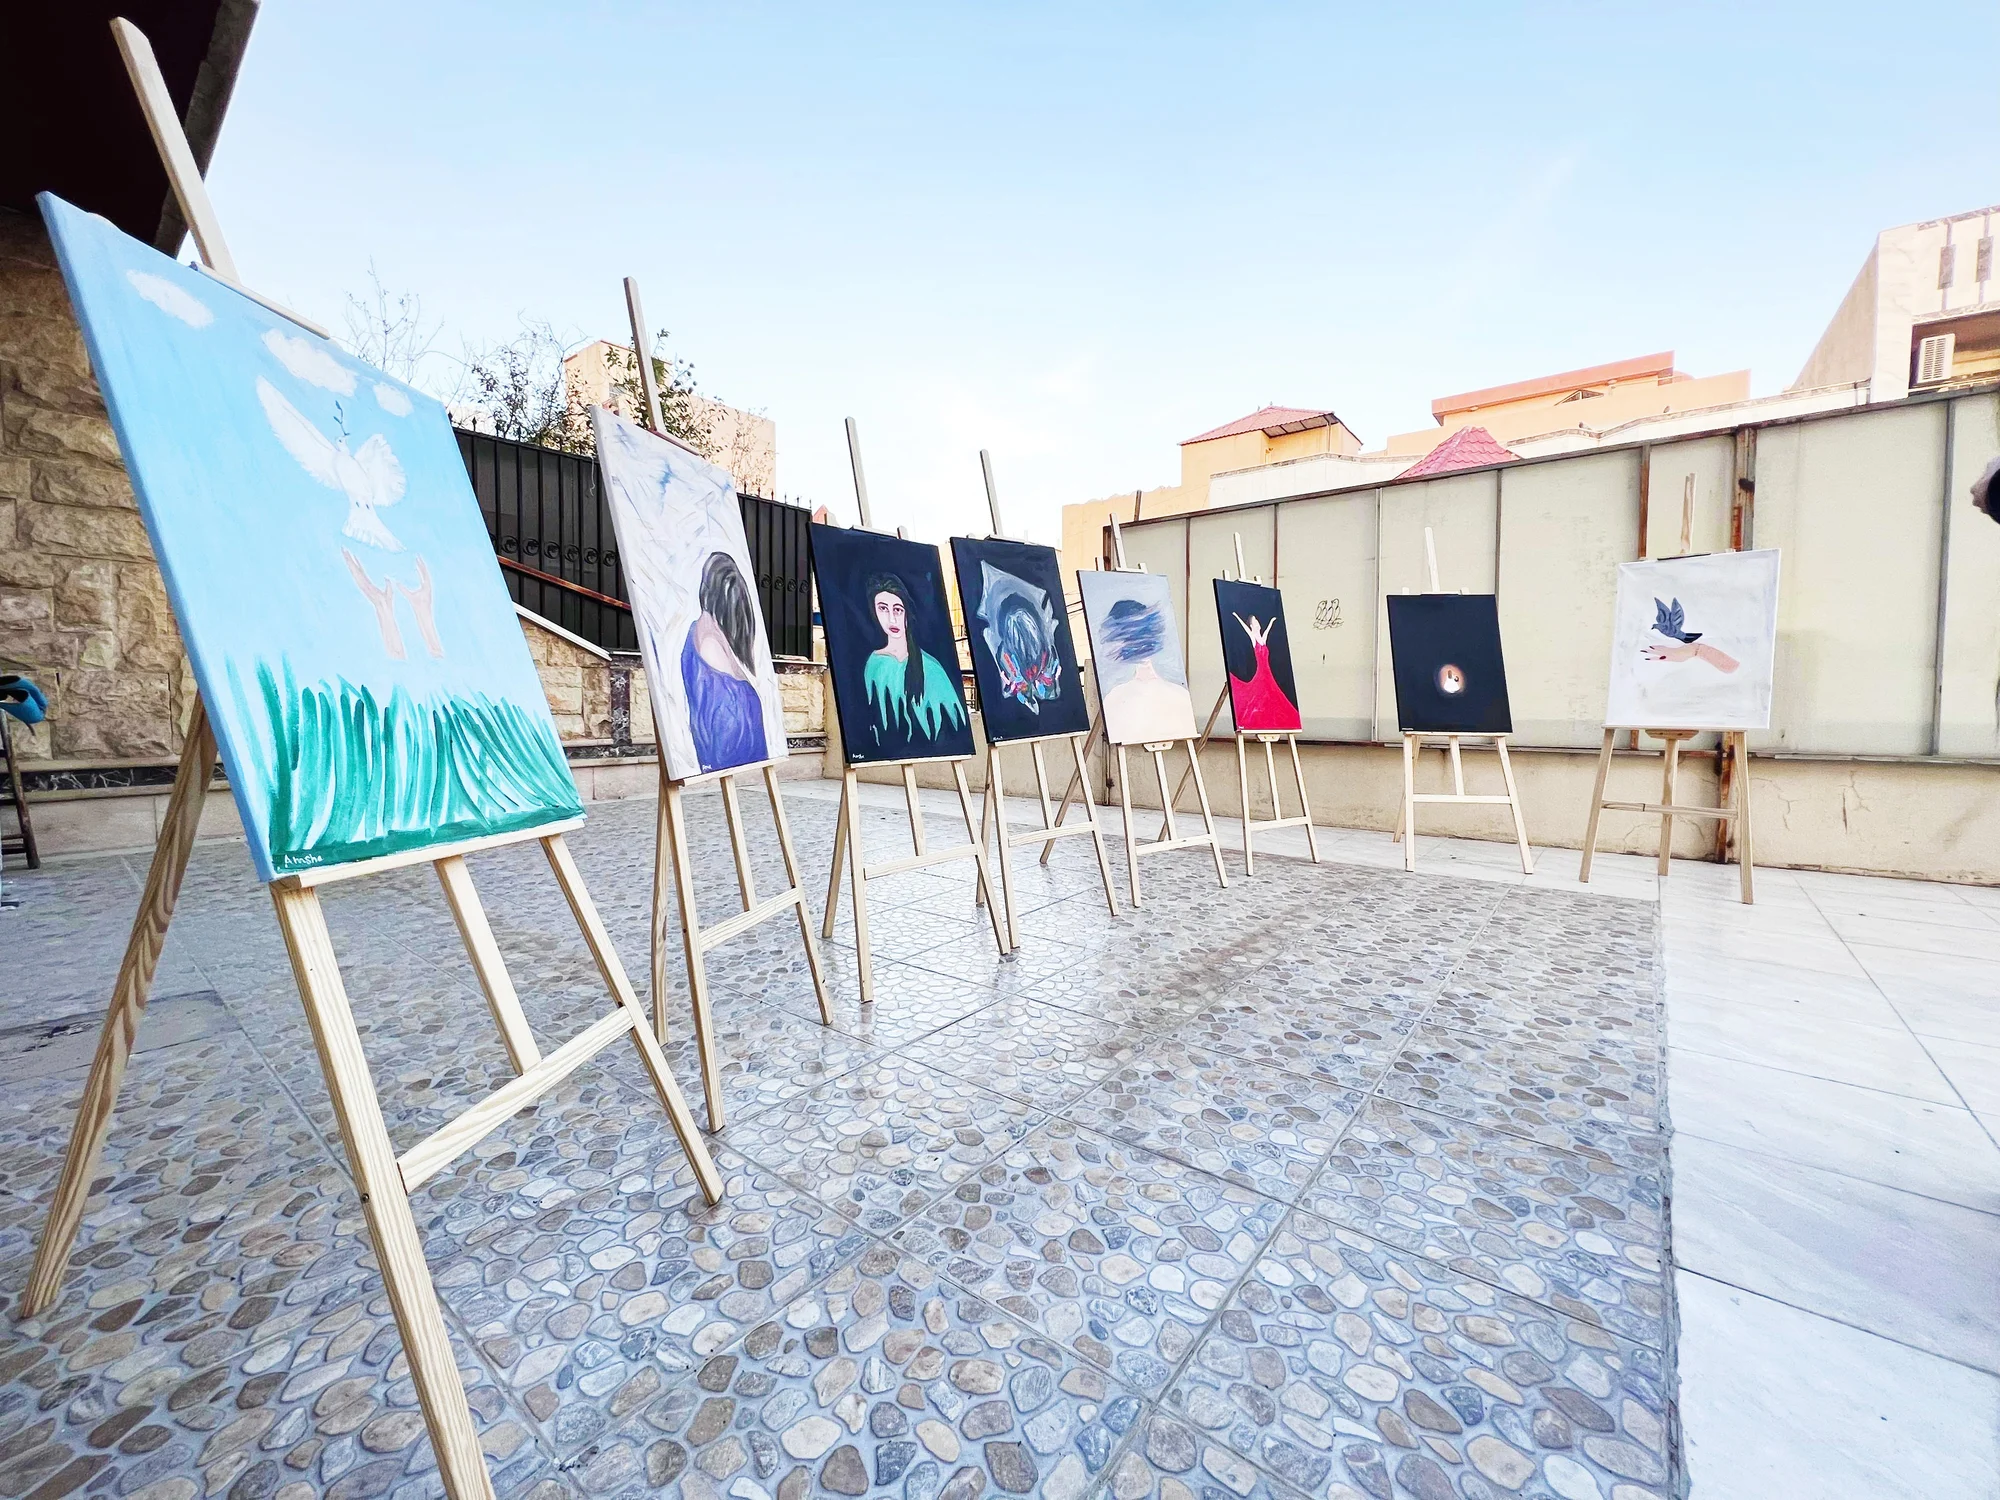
x=681 y=543
x=1694 y=642
x=1023 y=658
x=1450 y=675
x=1257 y=654
x=890 y=647
x=364 y=671
x=1141 y=677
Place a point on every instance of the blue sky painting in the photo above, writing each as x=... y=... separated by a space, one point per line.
x=360 y=659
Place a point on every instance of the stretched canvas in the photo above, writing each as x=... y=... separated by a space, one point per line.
x=1017 y=623
x=1141 y=675
x=1694 y=642
x=1257 y=654
x=1450 y=676
x=687 y=564
x=889 y=644
x=361 y=662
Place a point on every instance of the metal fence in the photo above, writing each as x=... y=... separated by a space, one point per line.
x=551 y=530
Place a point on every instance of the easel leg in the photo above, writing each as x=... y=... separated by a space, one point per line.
x=985 y=814
x=391 y=1226
x=1207 y=817
x=1076 y=747
x=1243 y=800
x=1745 y=848
x=1080 y=781
x=655 y=1062
x=121 y=1021
x=473 y=927
x=665 y=856
x=839 y=853
x=1001 y=935
x=1207 y=733
x=792 y=876
x=1409 y=803
x=676 y=843
x=996 y=799
x=850 y=800
x=1596 y=807
x=1669 y=773
x=1305 y=803
x=1514 y=807
x=1131 y=833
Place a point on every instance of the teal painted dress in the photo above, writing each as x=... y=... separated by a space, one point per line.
x=897 y=714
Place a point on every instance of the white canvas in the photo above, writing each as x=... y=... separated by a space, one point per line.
x=1693 y=642
x=1141 y=679
x=708 y=662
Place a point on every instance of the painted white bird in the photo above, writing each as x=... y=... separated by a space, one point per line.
x=371 y=477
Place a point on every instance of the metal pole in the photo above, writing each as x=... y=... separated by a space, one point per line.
x=992 y=493
x=642 y=352
x=860 y=479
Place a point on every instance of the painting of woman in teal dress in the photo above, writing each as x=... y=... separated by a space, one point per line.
x=896 y=684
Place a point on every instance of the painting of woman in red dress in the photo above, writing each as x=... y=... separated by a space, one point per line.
x=1263 y=697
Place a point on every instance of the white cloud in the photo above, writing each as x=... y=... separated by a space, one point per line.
x=310 y=362
x=171 y=298
x=392 y=400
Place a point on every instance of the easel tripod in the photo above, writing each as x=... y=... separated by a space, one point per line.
x=383 y=1179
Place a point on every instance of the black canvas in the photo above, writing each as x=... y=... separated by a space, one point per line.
x=1450 y=678
x=1263 y=697
x=1017 y=623
x=877 y=593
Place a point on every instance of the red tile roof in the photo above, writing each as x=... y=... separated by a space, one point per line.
x=1467 y=448
x=1272 y=420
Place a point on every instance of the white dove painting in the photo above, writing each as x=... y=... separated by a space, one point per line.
x=1694 y=642
x=334 y=583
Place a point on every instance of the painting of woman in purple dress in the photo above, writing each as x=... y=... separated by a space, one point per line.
x=725 y=711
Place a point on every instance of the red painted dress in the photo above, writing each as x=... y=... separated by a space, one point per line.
x=1260 y=705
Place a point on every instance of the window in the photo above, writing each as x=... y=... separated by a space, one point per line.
x=1982 y=265
x=1946 y=257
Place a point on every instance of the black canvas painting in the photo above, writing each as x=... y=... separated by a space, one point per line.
x=1017 y=622
x=1263 y=698
x=889 y=644
x=1449 y=675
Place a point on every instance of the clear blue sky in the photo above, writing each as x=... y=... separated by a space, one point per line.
x=1077 y=235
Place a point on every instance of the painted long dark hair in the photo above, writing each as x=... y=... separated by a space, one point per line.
x=913 y=664
x=725 y=598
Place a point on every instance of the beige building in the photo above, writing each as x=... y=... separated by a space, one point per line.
x=1923 y=313
x=742 y=442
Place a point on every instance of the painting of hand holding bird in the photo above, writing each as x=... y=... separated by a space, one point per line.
x=1694 y=642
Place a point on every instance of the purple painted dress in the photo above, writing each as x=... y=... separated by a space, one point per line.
x=724 y=713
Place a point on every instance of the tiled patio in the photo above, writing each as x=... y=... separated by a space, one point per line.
x=1341 y=1182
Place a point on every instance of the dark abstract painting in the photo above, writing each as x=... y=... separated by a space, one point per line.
x=889 y=644
x=1017 y=623
x=1450 y=678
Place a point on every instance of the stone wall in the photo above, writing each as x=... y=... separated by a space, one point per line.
x=81 y=600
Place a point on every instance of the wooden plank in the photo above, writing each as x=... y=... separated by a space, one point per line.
x=458 y=1135
x=784 y=828
x=1002 y=938
x=716 y=935
x=399 y=1250
x=996 y=798
x=681 y=867
x=488 y=963
x=1604 y=753
x=355 y=869
x=739 y=846
x=1207 y=817
x=599 y=942
x=1498 y=801
x=923 y=861
x=1745 y=848
x=850 y=802
x=1678 y=809
x=1514 y=805
x=129 y=994
x=1080 y=779
x=1409 y=823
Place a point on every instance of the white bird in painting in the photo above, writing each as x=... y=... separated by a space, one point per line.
x=371 y=477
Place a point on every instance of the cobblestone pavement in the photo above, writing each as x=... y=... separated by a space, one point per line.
x=1341 y=1183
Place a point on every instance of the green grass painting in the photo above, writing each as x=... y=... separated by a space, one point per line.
x=353 y=776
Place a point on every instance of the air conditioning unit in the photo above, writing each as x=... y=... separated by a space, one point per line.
x=1934 y=358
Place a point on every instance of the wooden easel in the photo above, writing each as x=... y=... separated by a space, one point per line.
x=382 y=1179
x=1170 y=835
x=671 y=858
x=847 y=827
x=1277 y=820
x=993 y=807
x=1413 y=742
x=1733 y=744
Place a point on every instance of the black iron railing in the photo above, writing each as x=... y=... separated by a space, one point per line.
x=551 y=530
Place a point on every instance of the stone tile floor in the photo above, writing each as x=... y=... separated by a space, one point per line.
x=1341 y=1183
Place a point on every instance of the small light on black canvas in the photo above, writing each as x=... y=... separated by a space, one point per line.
x=1450 y=678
